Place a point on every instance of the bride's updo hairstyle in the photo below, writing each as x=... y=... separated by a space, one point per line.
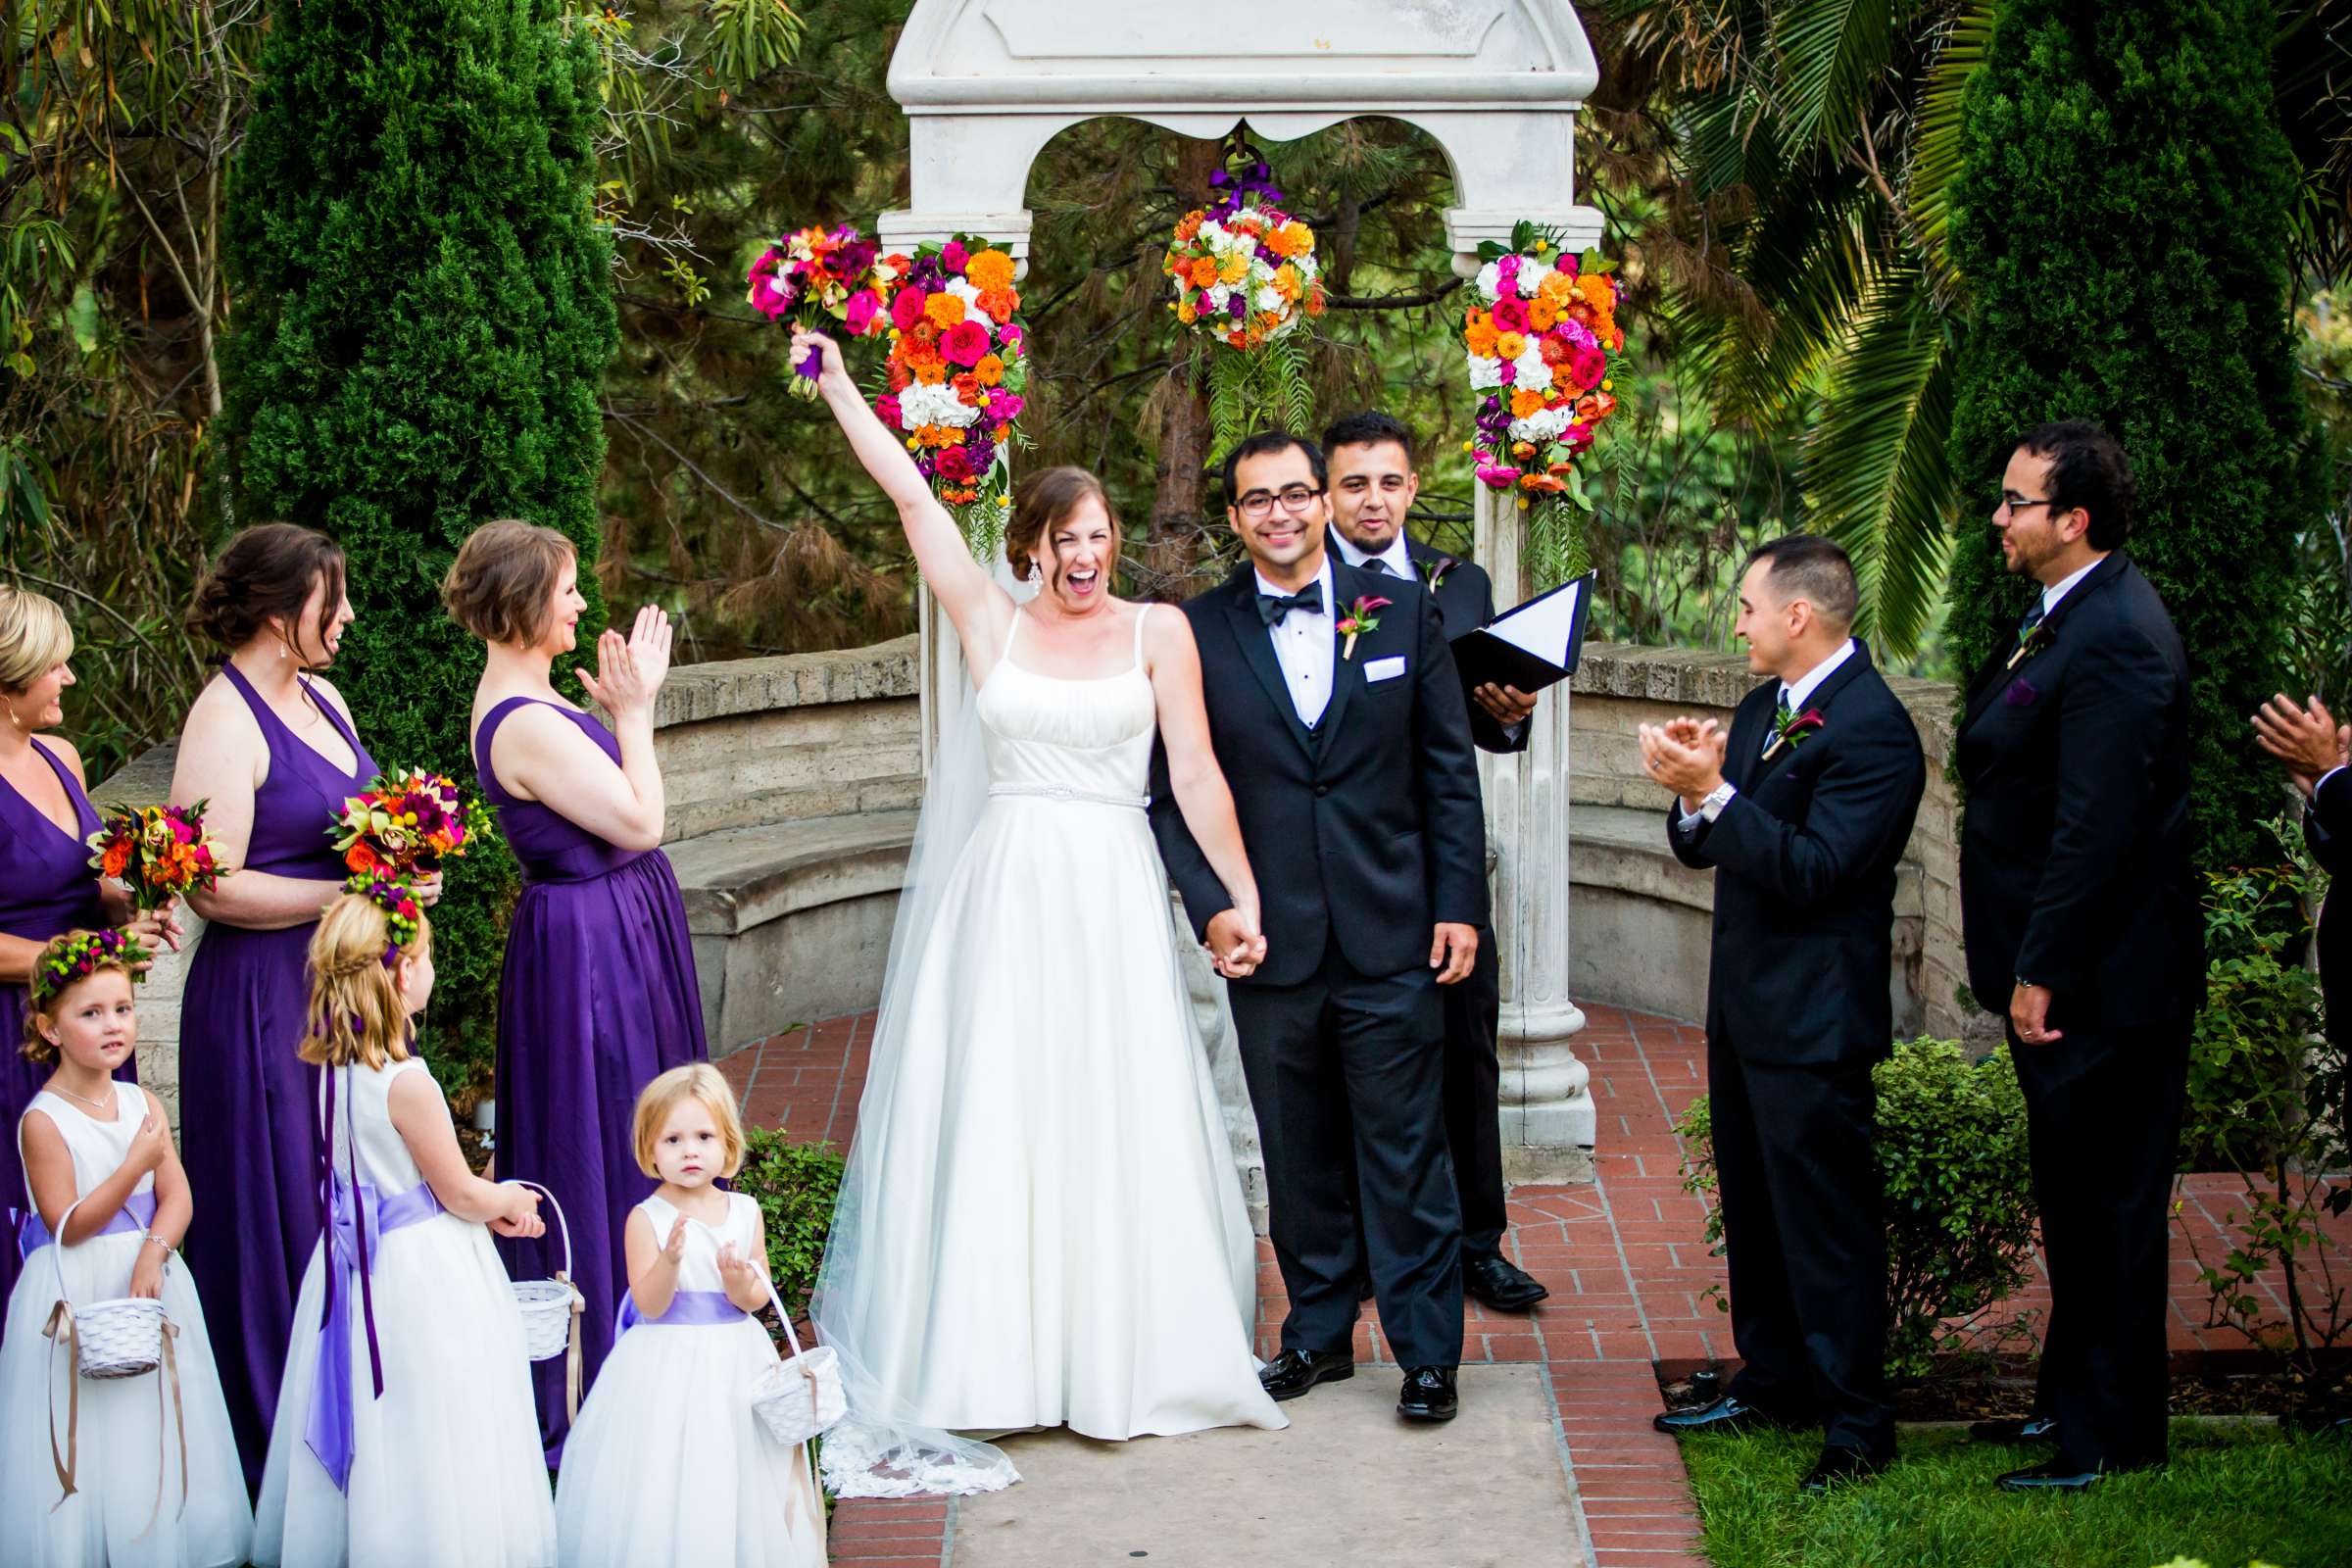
x=502 y=587
x=1041 y=501
x=268 y=572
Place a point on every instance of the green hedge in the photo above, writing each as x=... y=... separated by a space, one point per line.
x=2121 y=220
x=423 y=314
x=795 y=1186
x=1958 y=1186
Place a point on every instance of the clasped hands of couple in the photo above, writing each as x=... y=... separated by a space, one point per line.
x=1236 y=947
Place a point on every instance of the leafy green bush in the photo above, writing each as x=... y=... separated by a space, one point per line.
x=795 y=1185
x=2120 y=219
x=1958 y=1185
x=424 y=311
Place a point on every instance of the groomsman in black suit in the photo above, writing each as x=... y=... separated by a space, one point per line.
x=1346 y=739
x=1373 y=485
x=1803 y=812
x=2081 y=925
x=2316 y=749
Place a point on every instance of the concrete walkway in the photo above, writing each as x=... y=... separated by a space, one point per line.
x=1629 y=1280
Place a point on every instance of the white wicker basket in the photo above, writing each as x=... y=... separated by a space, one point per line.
x=802 y=1396
x=551 y=1310
x=117 y=1339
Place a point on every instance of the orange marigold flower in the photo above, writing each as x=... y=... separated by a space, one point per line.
x=929 y=368
x=1541 y=316
x=1204 y=270
x=1509 y=344
x=1285 y=281
x=1556 y=289
x=1189 y=227
x=1480 y=340
x=943 y=310
x=989 y=269
x=1596 y=291
x=1236 y=268
x=990 y=370
x=1525 y=401
x=1185 y=312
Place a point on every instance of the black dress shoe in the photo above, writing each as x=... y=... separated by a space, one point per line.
x=1428 y=1395
x=2056 y=1475
x=1840 y=1463
x=1726 y=1414
x=1502 y=1286
x=2032 y=1429
x=1293 y=1372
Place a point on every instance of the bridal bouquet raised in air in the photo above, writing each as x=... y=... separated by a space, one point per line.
x=1544 y=348
x=958 y=368
x=818 y=276
x=406 y=824
x=1245 y=274
x=160 y=852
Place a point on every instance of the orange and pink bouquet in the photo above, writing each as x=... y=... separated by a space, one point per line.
x=161 y=853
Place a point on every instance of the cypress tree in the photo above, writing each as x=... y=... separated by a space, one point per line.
x=2121 y=217
x=422 y=313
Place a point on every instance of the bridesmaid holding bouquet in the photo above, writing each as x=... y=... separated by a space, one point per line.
x=47 y=886
x=598 y=997
x=270 y=745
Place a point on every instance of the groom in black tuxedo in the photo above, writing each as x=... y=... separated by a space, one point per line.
x=1803 y=812
x=2079 y=902
x=1344 y=735
x=1373 y=486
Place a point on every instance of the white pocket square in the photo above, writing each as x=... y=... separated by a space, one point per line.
x=1385 y=668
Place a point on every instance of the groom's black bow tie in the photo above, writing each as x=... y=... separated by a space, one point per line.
x=1271 y=608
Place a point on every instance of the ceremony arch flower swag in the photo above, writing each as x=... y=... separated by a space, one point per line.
x=1247 y=280
x=1544 y=348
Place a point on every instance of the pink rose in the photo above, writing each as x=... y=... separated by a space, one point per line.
x=954 y=257
x=1004 y=406
x=1510 y=315
x=965 y=343
x=956 y=466
x=907 y=310
x=1587 y=365
x=859 y=317
x=766 y=298
x=886 y=409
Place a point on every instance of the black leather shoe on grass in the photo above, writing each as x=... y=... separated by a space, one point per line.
x=2058 y=1475
x=1726 y=1414
x=1293 y=1372
x=1428 y=1395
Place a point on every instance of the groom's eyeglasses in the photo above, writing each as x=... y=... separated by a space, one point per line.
x=1259 y=503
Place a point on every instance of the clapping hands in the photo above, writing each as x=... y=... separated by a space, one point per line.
x=2307 y=739
x=1686 y=755
x=629 y=672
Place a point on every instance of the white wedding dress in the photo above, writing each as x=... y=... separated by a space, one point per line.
x=1041 y=1224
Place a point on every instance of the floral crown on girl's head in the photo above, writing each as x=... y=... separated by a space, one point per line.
x=402 y=916
x=80 y=953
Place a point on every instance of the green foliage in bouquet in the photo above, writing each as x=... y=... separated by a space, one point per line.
x=423 y=314
x=795 y=1185
x=2121 y=217
x=1959 y=1193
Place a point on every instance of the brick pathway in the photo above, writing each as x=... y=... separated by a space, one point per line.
x=1623 y=1257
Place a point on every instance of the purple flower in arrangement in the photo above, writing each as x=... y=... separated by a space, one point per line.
x=2021 y=694
x=1238 y=307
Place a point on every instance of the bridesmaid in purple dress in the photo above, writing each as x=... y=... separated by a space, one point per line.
x=598 y=996
x=47 y=885
x=270 y=746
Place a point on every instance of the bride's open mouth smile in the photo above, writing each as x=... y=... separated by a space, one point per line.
x=1082 y=582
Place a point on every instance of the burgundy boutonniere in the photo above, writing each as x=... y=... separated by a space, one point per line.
x=1358 y=620
x=1790 y=729
x=1434 y=572
x=2031 y=643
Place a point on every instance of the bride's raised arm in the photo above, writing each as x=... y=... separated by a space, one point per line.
x=977 y=607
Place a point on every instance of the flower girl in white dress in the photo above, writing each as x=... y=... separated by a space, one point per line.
x=103 y=1146
x=405 y=1430
x=667 y=1462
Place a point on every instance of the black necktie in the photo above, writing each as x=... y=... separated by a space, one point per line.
x=1374 y=564
x=1271 y=608
x=2031 y=618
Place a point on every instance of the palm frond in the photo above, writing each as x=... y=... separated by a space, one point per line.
x=1935 y=147
x=1830 y=55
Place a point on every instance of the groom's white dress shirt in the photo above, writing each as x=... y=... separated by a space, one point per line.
x=1305 y=647
x=1793 y=695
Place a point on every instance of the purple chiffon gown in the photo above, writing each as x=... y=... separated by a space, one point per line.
x=596 y=998
x=248 y=1105
x=46 y=889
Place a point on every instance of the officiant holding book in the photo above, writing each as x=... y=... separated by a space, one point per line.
x=1373 y=486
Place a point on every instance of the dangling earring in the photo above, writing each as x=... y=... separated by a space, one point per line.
x=1037 y=574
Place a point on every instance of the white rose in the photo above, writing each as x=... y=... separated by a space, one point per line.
x=1218 y=295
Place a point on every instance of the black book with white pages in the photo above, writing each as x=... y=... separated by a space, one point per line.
x=1532 y=646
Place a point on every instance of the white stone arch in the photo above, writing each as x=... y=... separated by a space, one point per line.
x=1496 y=83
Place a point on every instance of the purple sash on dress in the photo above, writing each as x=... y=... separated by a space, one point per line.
x=137 y=1213
x=357 y=1220
x=687 y=1309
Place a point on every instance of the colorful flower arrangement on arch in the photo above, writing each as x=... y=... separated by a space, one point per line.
x=815 y=275
x=1246 y=277
x=1544 y=348
x=958 y=375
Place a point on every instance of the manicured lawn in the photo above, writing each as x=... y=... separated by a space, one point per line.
x=2232 y=1495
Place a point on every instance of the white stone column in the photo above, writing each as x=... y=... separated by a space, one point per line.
x=1548 y=1121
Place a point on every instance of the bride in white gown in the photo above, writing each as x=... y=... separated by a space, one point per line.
x=1041 y=1224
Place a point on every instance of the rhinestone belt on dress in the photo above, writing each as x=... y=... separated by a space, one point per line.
x=1062 y=791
